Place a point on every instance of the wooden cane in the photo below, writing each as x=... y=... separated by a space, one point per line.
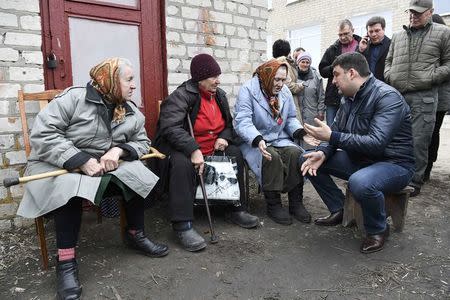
x=7 y=182
x=214 y=238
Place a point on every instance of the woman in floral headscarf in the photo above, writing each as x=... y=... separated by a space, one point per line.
x=265 y=118
x=90 y=128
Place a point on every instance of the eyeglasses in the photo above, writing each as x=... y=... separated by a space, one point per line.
x=416 y=13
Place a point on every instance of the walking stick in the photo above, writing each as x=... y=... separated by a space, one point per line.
x=7 y=182
x=214 y=238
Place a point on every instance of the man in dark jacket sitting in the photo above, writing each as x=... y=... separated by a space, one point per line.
x=369 y=144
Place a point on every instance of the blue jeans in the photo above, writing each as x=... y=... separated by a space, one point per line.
x=367 y=183
x=331 y=113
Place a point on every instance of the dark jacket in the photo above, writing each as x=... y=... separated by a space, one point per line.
x=375 y=127
x=332 y=96
x=379 y=66
x=173 y=128
x=420 y=61
x=172 y=133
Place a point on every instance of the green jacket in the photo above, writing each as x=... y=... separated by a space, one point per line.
x=418 y=60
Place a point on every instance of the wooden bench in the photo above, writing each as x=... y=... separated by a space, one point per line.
x=396 y=205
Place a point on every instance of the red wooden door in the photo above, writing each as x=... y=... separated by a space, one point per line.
x=80 y=33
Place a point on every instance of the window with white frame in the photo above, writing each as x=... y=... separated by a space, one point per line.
x=307 y=38
x=269 y=5
x=359 y=23
x=442 y=7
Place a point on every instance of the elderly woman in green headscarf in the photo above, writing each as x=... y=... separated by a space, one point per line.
x=90 y=128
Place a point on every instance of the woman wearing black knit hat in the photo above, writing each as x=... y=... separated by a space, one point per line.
x=206 y=105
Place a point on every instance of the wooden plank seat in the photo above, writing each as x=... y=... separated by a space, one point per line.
x=396 y=205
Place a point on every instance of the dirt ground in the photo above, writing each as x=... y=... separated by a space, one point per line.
x=272 y=262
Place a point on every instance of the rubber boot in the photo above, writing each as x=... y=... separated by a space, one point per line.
x=188 y=237
x=243 y=219
x=296 y=207
x=67 y=283
x=275 y=210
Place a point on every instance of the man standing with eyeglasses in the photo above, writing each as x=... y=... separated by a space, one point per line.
x=418 y=61
x=347 y=42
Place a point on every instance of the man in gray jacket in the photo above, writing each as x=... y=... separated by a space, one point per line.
x=417 y=63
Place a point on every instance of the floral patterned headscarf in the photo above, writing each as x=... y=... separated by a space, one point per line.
x=266 y=74
x=106 y=79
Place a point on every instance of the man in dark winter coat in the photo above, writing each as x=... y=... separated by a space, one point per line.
x=369 y=144
x=418 y=62
x=375 y=46
x=347 y=42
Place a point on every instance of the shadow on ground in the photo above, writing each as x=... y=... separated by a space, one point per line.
x=272 y=262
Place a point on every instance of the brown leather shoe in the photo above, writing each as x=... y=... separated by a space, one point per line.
x=415 y=193
x=331 y=220
x=375 y=242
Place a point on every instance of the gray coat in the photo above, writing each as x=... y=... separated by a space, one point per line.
x=311 y=100
x=418 y=61
x=444 y=97
x=253 y=118
x=71 y=129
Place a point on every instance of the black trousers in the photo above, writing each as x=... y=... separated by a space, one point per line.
x=434 y=144
x=183 y=183
x=68 y=220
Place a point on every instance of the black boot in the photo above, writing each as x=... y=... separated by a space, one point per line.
x=67 y=283
x=243 y=219
x=296 y=207
x=275 y=210
x=189 y=239
x=140 y=242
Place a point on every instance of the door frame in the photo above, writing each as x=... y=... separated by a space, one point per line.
x=149 y=16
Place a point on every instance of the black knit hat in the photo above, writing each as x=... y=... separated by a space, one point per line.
x=204 y=66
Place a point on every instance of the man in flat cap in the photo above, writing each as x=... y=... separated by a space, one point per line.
x=418 y=61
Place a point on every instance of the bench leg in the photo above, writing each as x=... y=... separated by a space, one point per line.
x=359 y=218
x=348 y=219
x=352 y=213
x=396 y=207
x=40 y=230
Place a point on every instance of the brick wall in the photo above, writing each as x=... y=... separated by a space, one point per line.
x=20 y=68
x=234 y=32
x=327 y=14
